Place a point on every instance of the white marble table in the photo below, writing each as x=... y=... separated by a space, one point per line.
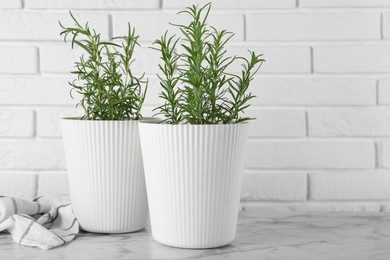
x=260 y=235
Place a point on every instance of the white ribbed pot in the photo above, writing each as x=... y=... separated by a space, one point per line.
x=193 y=178
x=105 y=173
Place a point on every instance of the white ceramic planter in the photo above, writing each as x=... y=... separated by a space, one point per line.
x=106 y=176
x=193 y=178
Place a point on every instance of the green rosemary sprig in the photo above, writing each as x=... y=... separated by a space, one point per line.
x=108 y=88
x=197 y=88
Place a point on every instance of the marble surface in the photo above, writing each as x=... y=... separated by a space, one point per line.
x=260 y=235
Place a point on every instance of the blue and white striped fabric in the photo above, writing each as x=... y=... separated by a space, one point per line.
x=44 y=222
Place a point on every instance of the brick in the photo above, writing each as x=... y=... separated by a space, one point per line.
x=384 y=154
x=14 y=4
x=352 y=58
x=92 y=4
x=274 y=186
x=147 y=111
x=18 y=60
x=345 y=3
x=385 y=206
x=49 y=121
x=19 y=185
x=151 y=26
x=317 y=206
x=60 y=58
x=313 y=26
x=349 y=122
x=29 y=25
x=386 y=25
x=232 y=4
x=17 y=123
x=279 y=59
x=31 y=156
x=314 y=91
x=350 y=186
x=384 y=91
x=146 y=60
x=277 y=123
x=53 y=184
x=35 y=91
x=310 y=155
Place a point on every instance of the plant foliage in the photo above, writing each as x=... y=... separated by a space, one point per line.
x=197 y=88
x=109 y=90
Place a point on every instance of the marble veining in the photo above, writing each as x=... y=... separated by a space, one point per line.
x=260 y=235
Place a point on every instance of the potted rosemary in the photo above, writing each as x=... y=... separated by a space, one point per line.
x=103 y=152
x=193 y=158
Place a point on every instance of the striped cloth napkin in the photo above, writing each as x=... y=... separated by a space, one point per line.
x=44 y=222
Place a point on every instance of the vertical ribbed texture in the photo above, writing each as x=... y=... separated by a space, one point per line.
x=106 y=177
x=193 y=177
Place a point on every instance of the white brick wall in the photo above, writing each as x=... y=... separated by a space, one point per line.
x=277 y=123
x=274 y=186
x=349 y=186
x=30 y=155
x=151 y=25
x=308 y=154
x=95 y=4
x=322 y=138
x=280 y=59
x=363 y=122
x=37 y=90
x=18 y=59
x=384 y=91
x=314 y=91
x=233 y=4
x=17 y=123
x=313 y=26
x=5 y=4
x=352 y=58
x=345 y=3
x=37 y=25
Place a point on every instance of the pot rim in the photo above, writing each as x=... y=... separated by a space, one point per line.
x=190 y=125
x=77 y=118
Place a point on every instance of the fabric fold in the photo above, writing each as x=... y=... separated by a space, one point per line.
x=44 y=222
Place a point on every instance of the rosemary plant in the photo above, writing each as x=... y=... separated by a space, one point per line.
x=196 y=87
x=109 y=90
